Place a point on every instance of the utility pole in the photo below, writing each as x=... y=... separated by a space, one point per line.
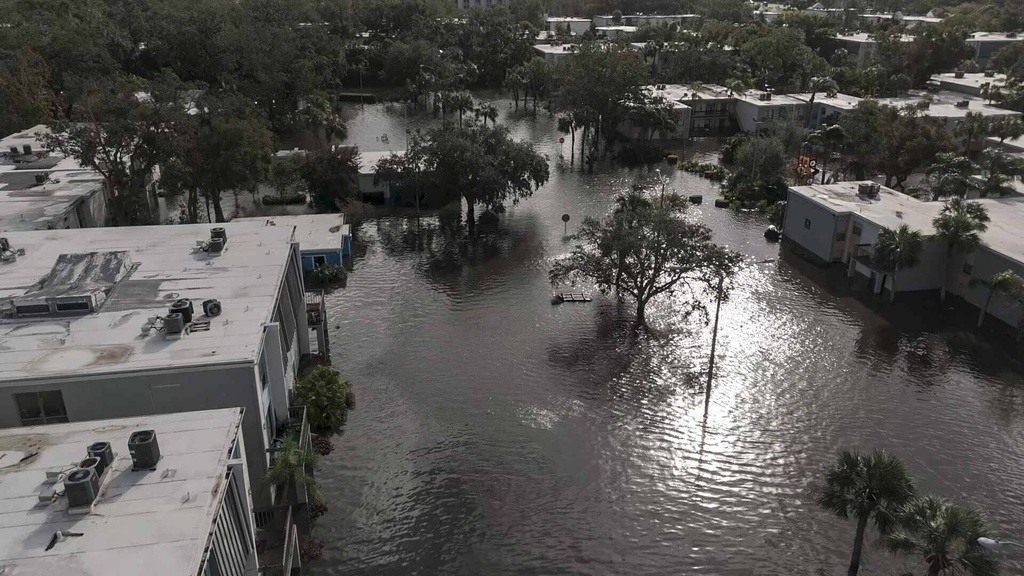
x=714 y=342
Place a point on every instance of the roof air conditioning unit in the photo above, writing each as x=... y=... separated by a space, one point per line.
x=1011 y=34
x=215 y=246
x=864 y=189
x=27 y=148
x=15 y=151
x=41 y=178
x=144 y=449
x=963 y=104
x=990 y=73
x=875 y=189
x=103 y=451
x=174 y=325
x=183 y=307
x=81 y=486
x=212 y=307
x=958 y=74
x=93 y=463
x=219 y=232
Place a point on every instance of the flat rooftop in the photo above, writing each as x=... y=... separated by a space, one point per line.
x=555 y=48
x=368 y=160
x=943 y=104
x=566 y=19
x=892 y=209
x=28 y=205
x=165 y=266
x=866 y=38
x=994 y=37
x=975 y=80
x=751 y=97
x=616 y=28
x=314 y=232
x=840 y=101
x=147 y=522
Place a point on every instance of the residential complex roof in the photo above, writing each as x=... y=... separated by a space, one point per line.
x=892 y=209
x=160 y=265
x=368 y=160
x=147 y=522
x=314 y=232
x=867 y=38
x=26 y=204
x=994 y=37
x=943 y=104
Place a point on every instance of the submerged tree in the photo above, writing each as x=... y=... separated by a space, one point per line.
x=326 y=397
x=645 y=248
x=897 y=250
x=945 y=536
x=871 y=488
x=960 y=225
x=1007 y=283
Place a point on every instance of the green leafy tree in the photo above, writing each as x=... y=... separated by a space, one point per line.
x=123 y=138
x=539 y=79
x=644 y=249
x=780 y=59
x=944 y=536
x=870 y=488
x=897 y=250
x=959 y=225
x=290 y=466
x=1005 y=127
x=331 y=177
x=999 y=170
x=1007 y=283
x=326 y=397
x=951 y=176
x=25 y=98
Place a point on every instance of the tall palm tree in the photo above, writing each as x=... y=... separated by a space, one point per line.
x=945 y=536
x=950 y=175
x=831 y=138
x=824 y=84
x=960 y=225
x=974 y=125
x=1006 y=282
x=998 y=172
x=872 y=488
x=897 y=250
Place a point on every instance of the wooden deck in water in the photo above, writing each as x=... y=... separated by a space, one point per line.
x=573 y=297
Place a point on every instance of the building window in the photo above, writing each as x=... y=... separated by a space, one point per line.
x=319 y=261
x=41 y=408
x=968 y=268
x=857 y=229
x=807 y=223
x=841 y=237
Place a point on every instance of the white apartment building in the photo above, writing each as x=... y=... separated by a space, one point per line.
x=123 y=322
x=986 y=44
x=162 y=495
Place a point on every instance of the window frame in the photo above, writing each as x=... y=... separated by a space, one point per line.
x=44 y=418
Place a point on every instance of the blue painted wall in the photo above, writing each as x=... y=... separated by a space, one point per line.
x=332 y=256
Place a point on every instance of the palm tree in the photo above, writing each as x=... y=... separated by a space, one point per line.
x=831 y=138
x=292 y=464
x=897 y=250
x=960 y=225
x=487 y=112
x=820 y=84
x=999 y=170
x=1006 y=128
x=950 y=175
x=870 y=488
x=974 y=125
x=945 y=536
x=1006 y=282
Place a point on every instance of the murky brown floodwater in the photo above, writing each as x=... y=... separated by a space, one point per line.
x=497 y=434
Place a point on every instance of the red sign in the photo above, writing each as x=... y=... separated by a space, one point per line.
x=561 y=140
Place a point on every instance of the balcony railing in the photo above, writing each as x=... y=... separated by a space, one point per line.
x=280 y=555
x=865 y=254
x=315 y=310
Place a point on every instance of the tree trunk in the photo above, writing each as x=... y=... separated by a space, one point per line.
x=460 y=117
x=858 y=546
x=945 y=276
x=572 y=146
x=641 y=310
x=892 y=291
x=470 y=217
x=888 y=180
x=810 y=108
x=984 y=311
x=218 y=210
x=824 y=165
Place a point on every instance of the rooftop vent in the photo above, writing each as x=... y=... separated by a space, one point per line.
x=963 y=104
x=144 y=449
x=81 y=487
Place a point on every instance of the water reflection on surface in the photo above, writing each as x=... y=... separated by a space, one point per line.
x=497 y=434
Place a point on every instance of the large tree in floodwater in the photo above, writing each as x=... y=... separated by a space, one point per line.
x=646 y=247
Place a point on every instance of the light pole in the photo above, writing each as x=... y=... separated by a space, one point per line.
x=990 y=544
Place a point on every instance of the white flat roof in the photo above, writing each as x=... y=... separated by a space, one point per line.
x=974 y=80
x=1003 y=234
x=368 y=160
x=566 y=19
x=245 y=277
x=994 y=37
x=943 y=104
x=617 y=28
x=840 y=101
x=26 y=205
x=146 y=522
x=751 y=97
x=865 y=38
x=314 y=232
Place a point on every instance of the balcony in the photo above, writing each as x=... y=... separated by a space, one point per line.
x=315 y=310
x=865 y=254
x=278 y=545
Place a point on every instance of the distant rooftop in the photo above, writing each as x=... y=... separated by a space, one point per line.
x=314 y=232
x=866 y=38
x=617 y=28
x=995 y=37
x=752 y=97
x=165 y=265
x=892 y=209
x=566 y=19
x=555 y=48
x=975 y=80
x=944 y=104
x=368 y=160
x=155 y=523
x=25 y=203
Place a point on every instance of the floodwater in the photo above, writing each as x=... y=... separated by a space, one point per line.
x=498 y=434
